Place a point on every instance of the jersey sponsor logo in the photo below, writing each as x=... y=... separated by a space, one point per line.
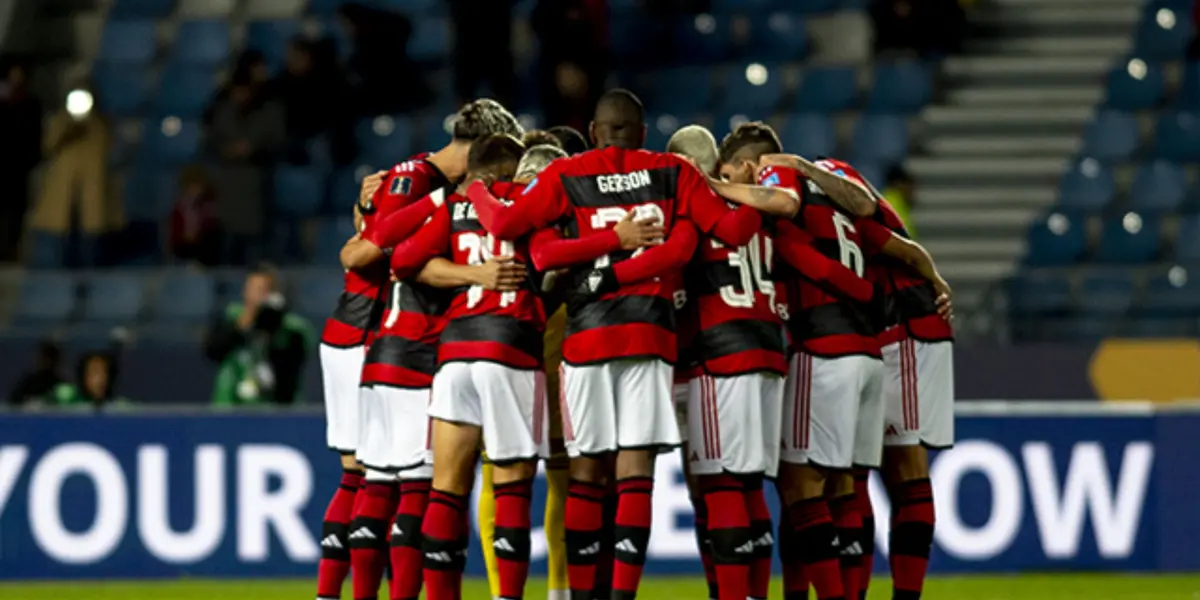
x=401 y=186
x=772 y=180
x=612 y=184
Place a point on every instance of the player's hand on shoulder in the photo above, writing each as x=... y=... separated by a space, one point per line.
x=638 y=233
x=501 y=274
x=370 y=185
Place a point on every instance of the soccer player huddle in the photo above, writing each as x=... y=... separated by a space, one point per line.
x=515 y=295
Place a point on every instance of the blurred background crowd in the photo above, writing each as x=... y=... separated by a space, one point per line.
x=156 y=151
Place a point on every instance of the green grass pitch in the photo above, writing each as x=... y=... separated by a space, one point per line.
x=1014 y=587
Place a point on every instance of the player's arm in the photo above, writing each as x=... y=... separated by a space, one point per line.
x=541 y=204
x=880 y=239
x=662 y=259
x=363 y=250
x=776 y=201
x=431 y=241
x=794 y=245
x=499 y=273
x=550 y=251
x=700 y=204
x=848 y=194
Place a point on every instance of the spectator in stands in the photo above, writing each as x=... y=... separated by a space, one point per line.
x=20 y=152
x=900 y=191
x=38 y=385
x=244 y=140
x=195 y=234
x=310 y=98
x=928 y=28
x=75 y=197
x=96 y=383
x=484 y=53
x=259 y=345
x=573 y=62
x=250 y=68
x=383 y=79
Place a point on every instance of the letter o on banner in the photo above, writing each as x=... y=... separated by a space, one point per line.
x=107 y=528
x=1004 y=519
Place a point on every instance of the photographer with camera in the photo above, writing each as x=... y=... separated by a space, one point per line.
x=259 y=345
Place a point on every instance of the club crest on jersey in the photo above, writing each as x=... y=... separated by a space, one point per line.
x=772 y=180
x=401 y=186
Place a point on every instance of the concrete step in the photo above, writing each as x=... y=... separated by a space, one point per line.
x=1025 y=66
x=1111 y=46
x=1077 y=15
x=981 y=271
x=986 y=169
x=972 y=218
x=1004 y=95
x=1013 y=145
x=946 y=120
x=974 y=248
x=938 y=196
x=1065 y=4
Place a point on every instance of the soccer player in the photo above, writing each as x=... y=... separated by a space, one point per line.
x=570 y=139
x=540 y=137
x=406 y=197
x=617 y=356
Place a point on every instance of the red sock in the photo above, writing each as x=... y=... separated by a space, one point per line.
x=444 y=544
x=368 y=537
x=816 y=539
x=632 y=535
x=862 y=499
x=849 y=529
x=405 y=540
x=764 y=543
x=335 y=548
x=911 y=538
x=729 y=529
x=512 y=537
x=583 y=520
x=604 y=566
x=795 y=582
x=704 y=545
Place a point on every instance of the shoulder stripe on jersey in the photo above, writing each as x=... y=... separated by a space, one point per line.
x=625 y=189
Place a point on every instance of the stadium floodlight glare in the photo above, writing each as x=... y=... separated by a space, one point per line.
x=80 y=103
x=1178 y=276
x=1136 y=68
x=1132 y=222
x=757 y=74
x=1165 y=18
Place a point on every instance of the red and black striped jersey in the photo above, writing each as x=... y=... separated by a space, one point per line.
x=502 y=327
x=823 y=321
x=590 y=193
x=360 y=306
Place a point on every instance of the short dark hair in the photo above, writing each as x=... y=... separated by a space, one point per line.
x=623 y=104
x=570 y=139
x=495 y=153
x=267 y=269
x=750 y=140
x=539 y=137
x=483 y=117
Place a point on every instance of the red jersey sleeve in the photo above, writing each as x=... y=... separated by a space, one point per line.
x=541 y=204
x=780 y=177
x=549 y=250
x=399 y=225
x=432 y=240
x=873 y=235
x=709 y=212
x=792 y=246
x=662 y=259
x=405 y=184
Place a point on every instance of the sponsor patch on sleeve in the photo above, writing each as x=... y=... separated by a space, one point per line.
x=530 y=187
x=401 y=186
x=772 y=180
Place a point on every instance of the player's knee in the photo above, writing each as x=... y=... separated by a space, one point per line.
x=801 y=482
x=589 y=470
x=635 y=463
x=350 y=463
x=406 y=532
x=513 y=472
x=905 y=463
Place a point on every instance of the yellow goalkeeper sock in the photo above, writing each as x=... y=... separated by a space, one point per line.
x=557 y=477
x=487 y=528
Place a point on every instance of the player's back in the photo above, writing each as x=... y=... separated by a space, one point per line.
x=911 y=308
x=504 y=327
x=405 y=352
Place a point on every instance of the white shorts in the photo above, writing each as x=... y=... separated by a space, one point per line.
x=508 y=404
x=618 y=405
x=733 y=424
x=833 y=411
x=396 y=432
x=918 y=393
x=341 y=371
x=679 y=394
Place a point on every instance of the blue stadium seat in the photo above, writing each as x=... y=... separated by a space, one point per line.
x=385 y=141
x=155 y=9
x=1111 y=136
x=1189 y=88
x=632 y=37
x=1165 y=38
x=902 y=88
x=1107 y=293
x=1129 y=239
x=314 y=293
x=827 y=89
x=1187 y=243
x=1149 y=327
x=810 y=135
x=880 y=139
x=170 y=141
x=332 y=233
x=1079 y=329
x=324 y=8
x=777 y=36
x=1174 y=293
x=660 y=128
x=149 y=192
x=128 y=42
x=725 y=8
x=434 y=131
x=114 y=299
x=45 y=299
x=1136 y=85
x=185 y=91
x=299 y=191
x=1056 y=240
x=1177 y=136
x=271 y=38
x=1040 y=293
x=1159 y=186
x=123 y=91
x=812 y=6
x=430 y=42
x=185 y=297
x=412 y=7
x=681 y=91
x=754 y=90
x=1086 y=186
x=701 y=39
x=343 y=191
x=202 y=42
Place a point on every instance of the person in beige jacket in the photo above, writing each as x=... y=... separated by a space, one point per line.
x=75 y=189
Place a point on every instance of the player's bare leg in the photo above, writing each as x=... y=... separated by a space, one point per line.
x=848 y=522
x=814 y=538
x=584 y=520
x=906 y=471
x=512 y=484
x=444 y=531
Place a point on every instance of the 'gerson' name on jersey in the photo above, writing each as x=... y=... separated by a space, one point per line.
x=612 y=184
